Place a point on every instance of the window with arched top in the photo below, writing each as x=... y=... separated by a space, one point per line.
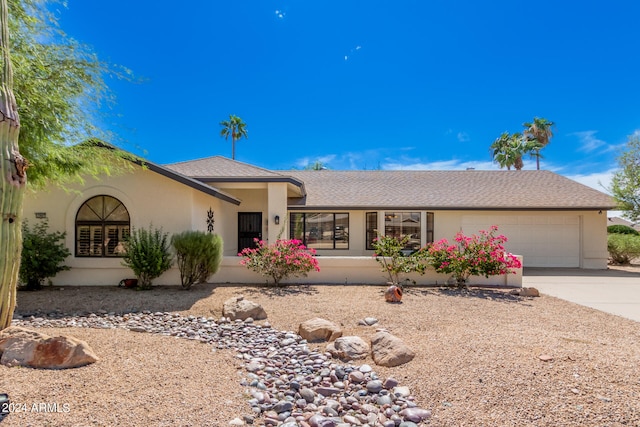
x=102 y=225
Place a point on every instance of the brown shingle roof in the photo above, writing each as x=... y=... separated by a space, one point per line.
x=220 y=167
x=471 y=189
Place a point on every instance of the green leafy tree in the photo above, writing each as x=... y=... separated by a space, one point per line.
x=315 y=166
x=13 y=181
x=198 y=256
x=42 y=254
x=540 y=132
x=59 y=86
x=625 y=185
x=234 y=128
x=147 y=254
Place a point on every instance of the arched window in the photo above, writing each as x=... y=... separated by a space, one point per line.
x=102 y=225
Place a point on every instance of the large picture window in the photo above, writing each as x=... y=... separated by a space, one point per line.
x=320 y=230
x=400 y=225
x=102 y=225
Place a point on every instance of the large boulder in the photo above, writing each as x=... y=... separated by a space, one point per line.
x=389 y=350
x=240 y=308
x=23 y=347
x=349 y=348
x=317 y=330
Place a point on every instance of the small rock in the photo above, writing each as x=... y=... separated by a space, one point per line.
x=545 y=358
x=236 y=422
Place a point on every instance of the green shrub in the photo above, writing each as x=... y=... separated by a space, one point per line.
x=390 y=254
x=147 y=254
x=198 y=256
x=622 y=229
x=42 y=255
x=623 y=248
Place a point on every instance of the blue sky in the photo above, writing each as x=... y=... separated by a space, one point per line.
x=370 y=84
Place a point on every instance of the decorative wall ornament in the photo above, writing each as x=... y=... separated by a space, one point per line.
x=210 y=220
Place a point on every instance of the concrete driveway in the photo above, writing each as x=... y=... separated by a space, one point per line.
x=612 y=291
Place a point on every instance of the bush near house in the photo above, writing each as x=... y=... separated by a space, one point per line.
x=623 y=248
x=42 y=255
x=389 y=254
x=622 y=229
x=147 y=254
x=478 y=255
x=280 y=260
x=198 y=256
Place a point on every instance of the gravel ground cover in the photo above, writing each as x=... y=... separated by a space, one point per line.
x=478 y=359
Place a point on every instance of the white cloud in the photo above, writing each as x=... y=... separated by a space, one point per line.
x=280 y=14
x=463 y=137
x=599 y=180
x=439 y=165
x=589 y=140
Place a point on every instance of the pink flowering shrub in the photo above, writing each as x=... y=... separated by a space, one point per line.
x=478 y=255
x=283 y=259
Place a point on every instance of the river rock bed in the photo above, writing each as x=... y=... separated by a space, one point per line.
x=288 y=382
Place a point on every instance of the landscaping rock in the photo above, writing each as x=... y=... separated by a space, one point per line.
x=389 y=350
x=525 y=292
x=349 y=348
x=240 y=308
x=317 y=330
x=22 y=347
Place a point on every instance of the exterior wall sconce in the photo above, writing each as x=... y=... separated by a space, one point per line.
x=276 y=219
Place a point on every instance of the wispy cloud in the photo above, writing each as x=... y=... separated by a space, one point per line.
x=463 y=137
x=438 y=165
x=589 y=140
x=352 y=52
x=325 y=160
x=599 y=180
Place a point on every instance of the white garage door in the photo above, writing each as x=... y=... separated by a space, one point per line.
x=543 y=240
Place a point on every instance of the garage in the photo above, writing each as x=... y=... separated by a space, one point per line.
x=543 y=240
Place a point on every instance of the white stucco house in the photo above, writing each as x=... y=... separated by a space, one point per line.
x=550 y=220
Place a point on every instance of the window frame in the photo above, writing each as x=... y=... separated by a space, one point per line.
x=306 y=231
x=98 y=243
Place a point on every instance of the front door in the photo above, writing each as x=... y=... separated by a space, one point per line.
x=249 y=228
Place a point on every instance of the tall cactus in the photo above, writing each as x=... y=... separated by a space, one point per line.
x=13 y=181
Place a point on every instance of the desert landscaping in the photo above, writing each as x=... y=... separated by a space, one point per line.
x=482 y=357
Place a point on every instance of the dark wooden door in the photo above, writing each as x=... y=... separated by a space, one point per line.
x=249 y=228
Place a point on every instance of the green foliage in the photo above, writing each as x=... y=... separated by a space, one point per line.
x=389 y=252
x=625 y=185
x=280 y=260
x=147 y=254
x=539 y=134
x=623 y=248
x=42 y=254
x=234 y=128
x=508 y=149
x=198 y=256
x=622 y=229
x=59 y=86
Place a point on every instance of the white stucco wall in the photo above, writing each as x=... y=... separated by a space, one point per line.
x=149 y=197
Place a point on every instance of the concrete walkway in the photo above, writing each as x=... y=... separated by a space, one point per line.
x=612 y=291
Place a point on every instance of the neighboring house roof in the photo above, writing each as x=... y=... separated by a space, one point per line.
x=620 y=221
x=471 y=189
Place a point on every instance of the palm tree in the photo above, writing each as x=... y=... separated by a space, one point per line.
x=507 y=150
x=541 y=132
x=235 y=128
